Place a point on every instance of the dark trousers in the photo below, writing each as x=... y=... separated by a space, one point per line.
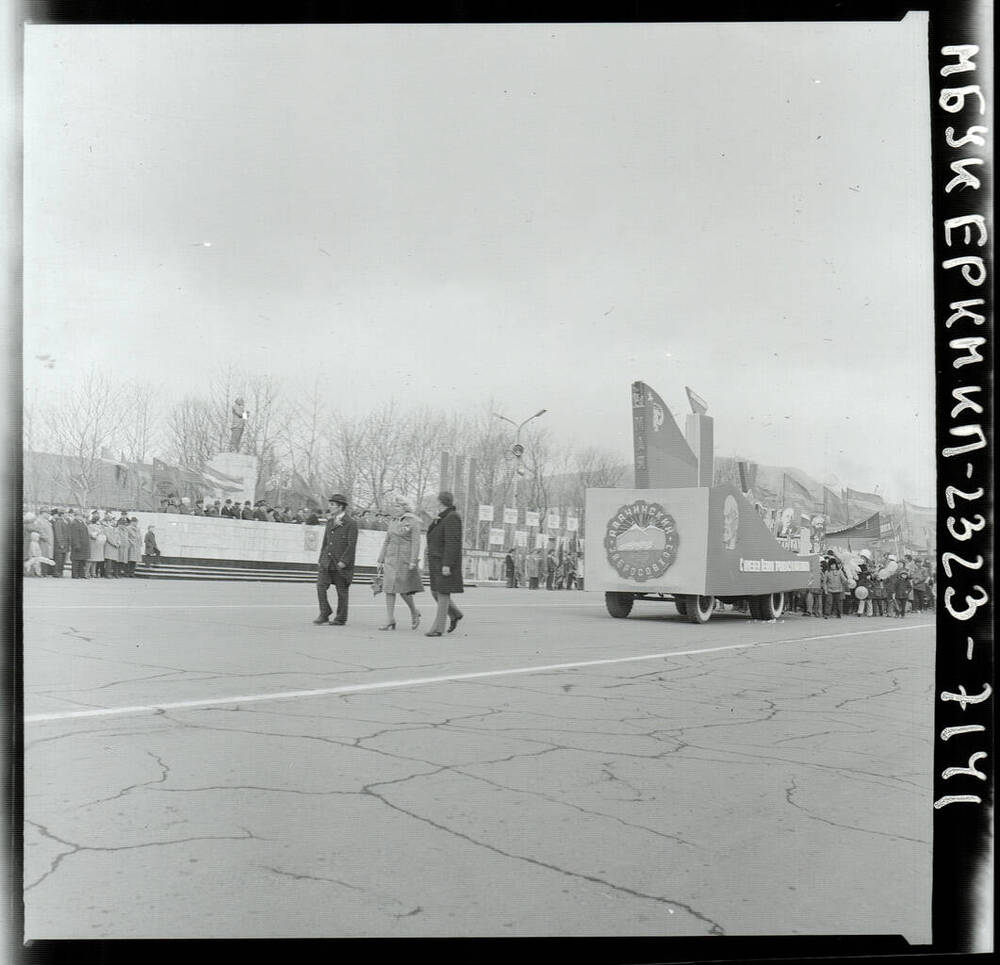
x=59 y=561
x=548 y=580
x=324 y=580
x=835 y=599
x=901 y=602
x=79 y=566
x=532 y=582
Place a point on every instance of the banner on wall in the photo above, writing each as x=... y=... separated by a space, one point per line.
x=531 y=518
x=486 y=514
x=509 y=516
x=496 y=537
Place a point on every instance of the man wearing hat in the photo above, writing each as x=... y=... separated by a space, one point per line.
x=336 y=561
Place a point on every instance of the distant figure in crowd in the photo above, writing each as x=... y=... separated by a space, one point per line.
x=95 y=559
x=551 y=564
x=60 y=542
x=570 y=562
x=247 y=512
x=123 y=545
x=509 y=569
x=134 y=544
x=213 y=509
x=237 y=423
x=152 y=550
x=44 y=526
x=399 y=561
x=34 y=560
x=111 y=546
x=888 y=577
x=79 y=537
x=336 y=561
x=444 y=563
x=836 y=584
x=902 y=591
x=865 y=605
x=533 y=568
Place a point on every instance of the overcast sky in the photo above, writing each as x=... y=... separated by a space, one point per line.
x=537 y=214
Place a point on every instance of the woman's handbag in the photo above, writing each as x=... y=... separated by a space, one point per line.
x=377 y=582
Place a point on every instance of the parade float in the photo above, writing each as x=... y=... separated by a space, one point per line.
x=676 y=537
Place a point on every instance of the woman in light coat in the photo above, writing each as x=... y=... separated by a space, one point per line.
x=134 y=544
x=123 y=545
x=399 y=562
x=95 y=563
x=112 y=537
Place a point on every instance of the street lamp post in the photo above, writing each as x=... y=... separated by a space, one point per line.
x=517 y=448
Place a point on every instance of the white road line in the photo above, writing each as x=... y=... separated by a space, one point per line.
x=129 y=605
x=420 y=681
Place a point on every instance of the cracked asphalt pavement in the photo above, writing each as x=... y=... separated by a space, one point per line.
x=203 y=762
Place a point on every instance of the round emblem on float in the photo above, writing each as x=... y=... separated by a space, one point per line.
x=641 y=541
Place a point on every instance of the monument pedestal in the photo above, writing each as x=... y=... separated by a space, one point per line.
x=236 y=472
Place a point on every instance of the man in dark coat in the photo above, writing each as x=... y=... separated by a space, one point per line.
x=247 y=512
x=444 y=563
x=79 y=543
x=550 y=570
x=60 y=541
x=336 y=561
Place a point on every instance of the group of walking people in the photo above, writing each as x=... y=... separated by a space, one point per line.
x=398 y=573
x=560 y=573
x=885 y=589
x=102 y=543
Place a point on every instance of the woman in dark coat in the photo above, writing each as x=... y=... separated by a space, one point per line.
x=444 y=563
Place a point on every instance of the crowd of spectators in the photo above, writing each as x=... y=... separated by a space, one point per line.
x=263 y=512
x=868 y=587
x=103 y=543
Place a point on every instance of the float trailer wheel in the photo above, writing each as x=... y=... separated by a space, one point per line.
x=770 y=606
x=698 y=609
x=619 y=604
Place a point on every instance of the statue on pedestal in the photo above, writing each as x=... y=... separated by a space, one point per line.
x=237 y=424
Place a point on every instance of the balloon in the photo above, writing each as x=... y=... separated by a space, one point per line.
x=861 y=593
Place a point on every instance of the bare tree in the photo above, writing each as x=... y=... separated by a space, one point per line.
x=82 y=424
x=302 y=438
x=191 y=432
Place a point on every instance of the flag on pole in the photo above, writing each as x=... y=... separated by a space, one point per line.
x=833 y=506
x=796 y=495
x=862 y=504
x=663 y=458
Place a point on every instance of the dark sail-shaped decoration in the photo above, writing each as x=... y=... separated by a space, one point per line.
x=663 y=458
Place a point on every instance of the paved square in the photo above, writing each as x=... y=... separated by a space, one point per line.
x=202 y=761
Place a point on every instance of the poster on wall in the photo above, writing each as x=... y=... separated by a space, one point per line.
x=553 y=521
x=531 y=518
x=520 y=537
x=572 y=524
x=509 y=516
x=540 y=541
x=496 y=537
x=486 y=514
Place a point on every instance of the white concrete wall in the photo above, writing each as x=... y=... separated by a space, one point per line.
x=218 y=538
